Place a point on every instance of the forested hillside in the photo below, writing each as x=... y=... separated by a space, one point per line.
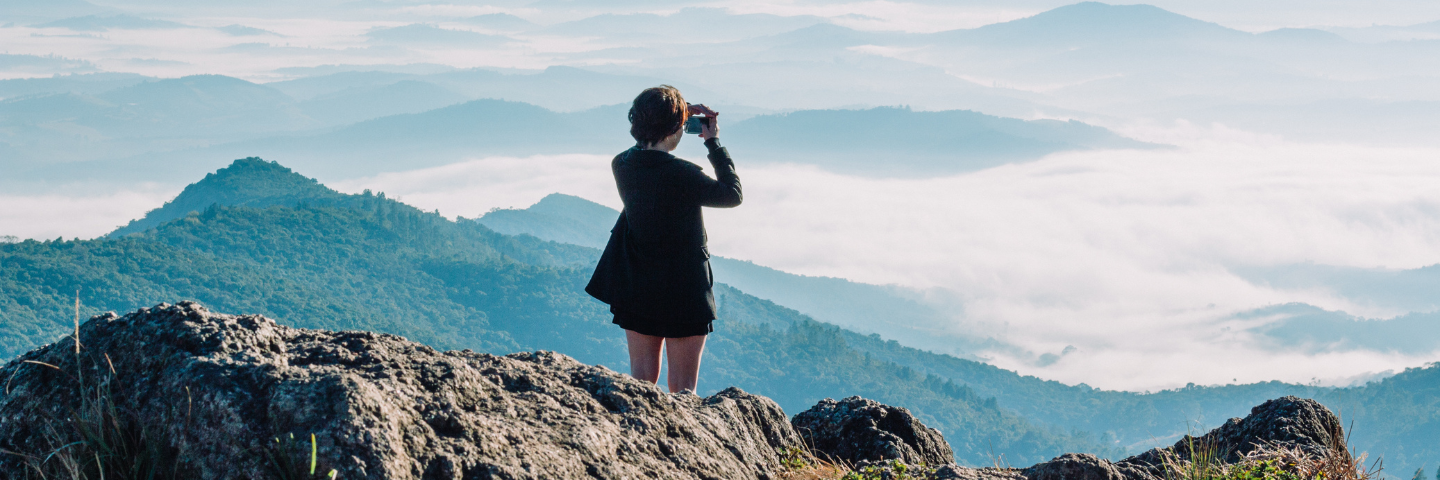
x=367 y=262
x=311 y=257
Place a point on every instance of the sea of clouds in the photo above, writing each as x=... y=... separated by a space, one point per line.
x=1126 y=256
x=1118 y=263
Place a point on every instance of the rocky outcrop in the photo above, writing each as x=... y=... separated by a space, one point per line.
x=223 y=387
x=215 y=393
x=1284 y=423
x=856 y=430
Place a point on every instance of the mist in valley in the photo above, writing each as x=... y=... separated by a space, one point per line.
x=1088 y=193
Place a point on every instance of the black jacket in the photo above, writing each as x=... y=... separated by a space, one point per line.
x=656 y=264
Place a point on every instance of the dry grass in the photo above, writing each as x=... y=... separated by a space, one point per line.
x=800 y=463
x=1272 y=461
x=97 y=438
x=826 y=471
x=1337 y=464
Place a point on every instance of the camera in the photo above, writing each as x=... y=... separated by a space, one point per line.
x=694 y=124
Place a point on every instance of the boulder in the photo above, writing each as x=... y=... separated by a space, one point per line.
x=856 y=430
x=1287 y=422
x=1074 y=466
x=221 y=391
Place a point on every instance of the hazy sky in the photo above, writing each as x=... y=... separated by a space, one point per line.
x=1127 y=256
x=1245 y=15
x=335 y=35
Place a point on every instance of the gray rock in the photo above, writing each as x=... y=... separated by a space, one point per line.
x=956 y=472
x=222 y=387
x=856 y=430
x=217 y=390
x=1074 y=466
x=1284 y=422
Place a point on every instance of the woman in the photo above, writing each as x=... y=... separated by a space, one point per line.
x=655 y=272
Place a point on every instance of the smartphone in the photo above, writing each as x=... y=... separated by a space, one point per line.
x=694 y=124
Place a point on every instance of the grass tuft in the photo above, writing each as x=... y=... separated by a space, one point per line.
x=799 y=463
x=100 y=439
x=291 y=459
x=1271 y=461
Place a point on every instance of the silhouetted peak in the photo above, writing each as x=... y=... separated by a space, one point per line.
x=257 y=177
x=1098 y=21
x=246 y=182
x=200 y=91
x=570 y=206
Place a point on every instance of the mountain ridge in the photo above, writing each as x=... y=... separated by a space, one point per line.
x=248 y=182
x=1089 y=23
x=363 y=261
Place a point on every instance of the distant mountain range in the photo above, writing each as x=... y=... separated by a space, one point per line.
x=82 y=84
x=307 y=256
x=554 y=88
x=1100 y=63
x=377 y=120
x=902 y=142
x=881 y=141
x=100 y=23
x=1087 y=60
x=29 y=11
x=136 y=118
x=1091 y=61
x=1089 y=24
x=358 y=104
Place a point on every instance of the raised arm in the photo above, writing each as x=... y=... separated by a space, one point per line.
x=723 y=191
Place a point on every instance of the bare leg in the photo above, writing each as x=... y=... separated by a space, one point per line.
x=644 y=355
x=683 y=355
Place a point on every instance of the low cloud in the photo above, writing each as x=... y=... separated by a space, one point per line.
x=474 y=187
x=52 y=215
x=1126 y=255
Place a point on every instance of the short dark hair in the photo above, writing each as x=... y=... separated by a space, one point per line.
x=657 y=113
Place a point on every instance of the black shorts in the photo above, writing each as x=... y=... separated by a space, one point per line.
x=658 y=328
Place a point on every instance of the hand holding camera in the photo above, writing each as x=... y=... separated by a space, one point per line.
x=703 y=121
